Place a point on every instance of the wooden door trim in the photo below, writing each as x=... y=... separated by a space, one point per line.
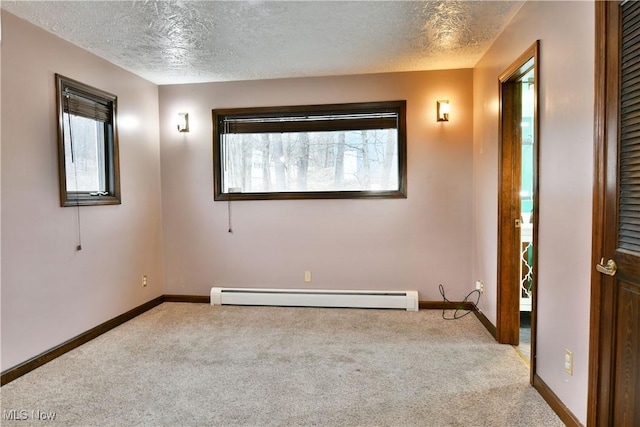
x=597 y=244
x=535 y=51
x=507 y=324
x=508 y=235
x=518 y=67
x=601 y=338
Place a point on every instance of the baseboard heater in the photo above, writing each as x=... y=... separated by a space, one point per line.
x=405 y=300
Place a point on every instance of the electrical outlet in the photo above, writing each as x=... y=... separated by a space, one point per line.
x=568 y=361
x=307 y=276
x=144 y=281
x=480 y=286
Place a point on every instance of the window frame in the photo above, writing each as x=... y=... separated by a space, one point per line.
x=111 y=161
x=398 y=107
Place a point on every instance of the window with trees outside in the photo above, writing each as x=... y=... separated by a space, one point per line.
x=87 y=145
x=318 y=151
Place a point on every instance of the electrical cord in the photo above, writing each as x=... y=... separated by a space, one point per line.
x=229 y=212
x=460 y=305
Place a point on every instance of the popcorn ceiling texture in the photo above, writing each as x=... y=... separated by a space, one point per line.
x=170 y=42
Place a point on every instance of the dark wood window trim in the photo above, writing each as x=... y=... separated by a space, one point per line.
x=86 y=101
x=312 y=118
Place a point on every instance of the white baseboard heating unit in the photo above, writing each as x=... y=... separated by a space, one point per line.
x=406 y=300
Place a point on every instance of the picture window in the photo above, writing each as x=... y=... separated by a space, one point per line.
x=302 y=152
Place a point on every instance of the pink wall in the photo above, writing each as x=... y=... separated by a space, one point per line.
x=566 y=32
x=444 y=232
x=51 y=292
x=407 y=244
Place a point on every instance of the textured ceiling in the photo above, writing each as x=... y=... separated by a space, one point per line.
x=170 y=42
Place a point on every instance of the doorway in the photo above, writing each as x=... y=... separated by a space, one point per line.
x=518 y=204
x=527 y=139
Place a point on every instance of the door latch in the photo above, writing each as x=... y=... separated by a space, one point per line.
x=609 y=268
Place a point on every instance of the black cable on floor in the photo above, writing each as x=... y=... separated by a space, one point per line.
x=459 y=309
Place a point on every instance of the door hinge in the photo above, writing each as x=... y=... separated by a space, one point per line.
x=518 y=222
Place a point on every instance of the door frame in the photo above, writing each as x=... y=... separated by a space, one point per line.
x=508 y=296
x=601 y=340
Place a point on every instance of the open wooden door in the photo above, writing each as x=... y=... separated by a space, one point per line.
x=512 y=218
x=614 y=380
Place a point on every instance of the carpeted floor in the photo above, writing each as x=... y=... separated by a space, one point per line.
x=194 y=364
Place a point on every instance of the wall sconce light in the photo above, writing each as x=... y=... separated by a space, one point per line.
x=183 y=122
x=443 y=110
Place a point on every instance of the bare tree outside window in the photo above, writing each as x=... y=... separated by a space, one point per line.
x=351 y=152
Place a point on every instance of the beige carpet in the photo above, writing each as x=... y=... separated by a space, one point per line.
x=196 y=365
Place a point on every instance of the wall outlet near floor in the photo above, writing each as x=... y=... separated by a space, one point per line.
x=480 y=286
x=144 y=281
x=568 y=362
x=307 y=276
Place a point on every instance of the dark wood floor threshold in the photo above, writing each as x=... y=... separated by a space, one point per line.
x=565 y=415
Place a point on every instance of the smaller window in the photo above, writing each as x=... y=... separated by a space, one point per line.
x=316 y=151
x=87 y=145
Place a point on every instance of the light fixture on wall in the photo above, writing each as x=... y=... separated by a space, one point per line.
x=443 y=110
x=183 y=122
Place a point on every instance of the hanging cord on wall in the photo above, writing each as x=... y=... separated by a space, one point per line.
x=229 y=213
x=225 y=141
x=75 y=173
x=460 y=305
